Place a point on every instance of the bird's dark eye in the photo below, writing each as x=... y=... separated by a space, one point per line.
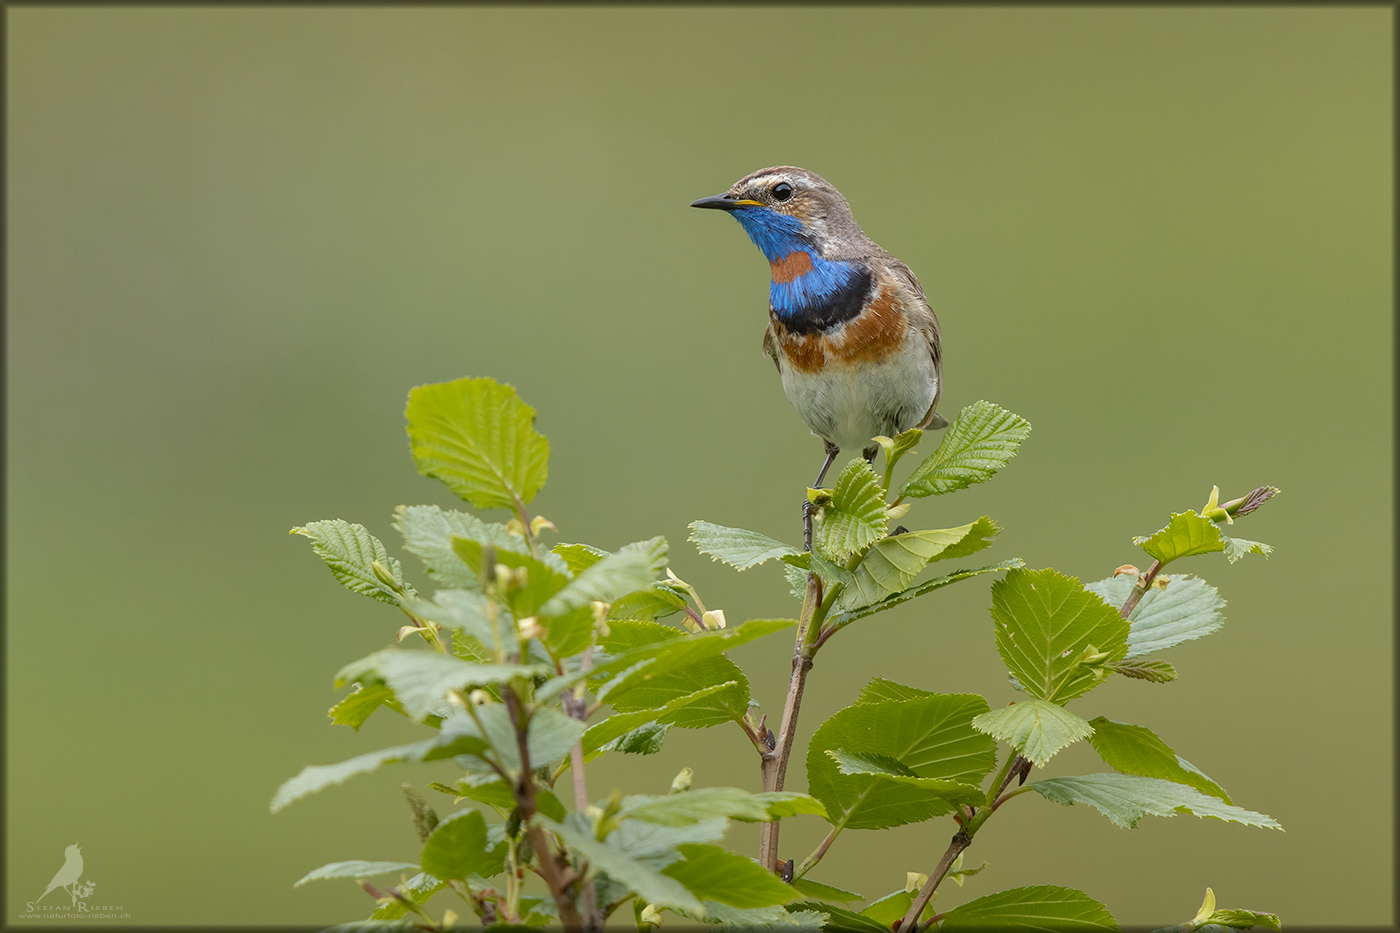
x=782 y=191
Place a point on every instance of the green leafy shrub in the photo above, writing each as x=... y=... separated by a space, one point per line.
x=537 y=660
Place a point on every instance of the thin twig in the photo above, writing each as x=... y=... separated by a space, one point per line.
x=961 y=841
x=1143 y=585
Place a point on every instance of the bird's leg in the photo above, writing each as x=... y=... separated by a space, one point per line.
x=831 y=451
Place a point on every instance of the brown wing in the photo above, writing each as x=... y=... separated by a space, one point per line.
x=917 y=307
x=770 y=346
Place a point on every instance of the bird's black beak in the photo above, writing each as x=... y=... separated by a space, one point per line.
x=724 y=202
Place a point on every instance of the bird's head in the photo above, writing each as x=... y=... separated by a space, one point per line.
x=786 y=208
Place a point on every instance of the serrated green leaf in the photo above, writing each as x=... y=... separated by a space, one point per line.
x=1235 y=548
x=890 y=769
x=316 y=777
x=1185 y=535
x=707 y=803
x=610 y=578
x=550 y=735
x=356 y=708
x=890 y=908
x=622 y=723
x=398 y=924
x=542 y=581
x=418 y=889
x=647 y=881
x=662 y=689
x=579 y=557
x=712 y=873
x=421 y=679
x=1047 y=627
x=349 y=550
x=646 y=664
x=462 y=611
x=839 y=918
x=737 y=547
x=843 y=618
x=1149 y=669
x=1126 y=798
x=646 y=739
x=881 y=689
x=353 y=870
x=655 y=602
x=981 y=440
x=1038 y=908
x=458 y=847
x=855 y=518
x=478 y=438
x=1035 y=728
x=428 y=530
x=485 y=788
x=930 y=735
x=1188 y=608
x=1133 y=749
x=825 y=891
x=893 y=563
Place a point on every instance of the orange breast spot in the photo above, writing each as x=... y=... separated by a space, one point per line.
x=792 y=266
x=803 y=352
x=875 y=333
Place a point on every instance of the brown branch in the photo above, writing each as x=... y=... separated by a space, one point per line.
x=961 y=841
x=1143 y=585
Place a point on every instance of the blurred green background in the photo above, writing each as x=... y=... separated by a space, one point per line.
x=238 y=237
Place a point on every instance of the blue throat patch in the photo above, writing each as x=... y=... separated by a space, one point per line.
x=833 y=292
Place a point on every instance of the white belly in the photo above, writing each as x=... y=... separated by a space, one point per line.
x=849 y=405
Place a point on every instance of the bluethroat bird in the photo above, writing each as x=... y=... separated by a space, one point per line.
x=849 y=328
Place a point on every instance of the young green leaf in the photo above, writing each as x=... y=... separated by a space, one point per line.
x=622 y=723
x=1185 y=535
x=1036 y=908
x=356 y=708
x=706 y=708
x=1055 y=636
x=893 y=563
x=625 y=867
x=644 y=665
x=981 y=440
x=486 y=787
x=736 y=547
x=1188 y=608
x=478 y=438
x=707 y=803
x=839 y=918
x=428 y=532
x=421 y=679
x=712 y=873
x=528 y=597
x=1034 y=728
x=315 y=777
x=1235 y=548
x=463 y=611
x=890 y=909
x=416 y=890
x=841 y=618
x=1149 y=669
x=646 y=739
x=1132 y=749
x=1126 y=798
x=825 y=891
x=931 y=736
x=855 y=519
x=610 y=578
x=890 y=769
x=354 y=870
x=458 y=847
x=350 y=551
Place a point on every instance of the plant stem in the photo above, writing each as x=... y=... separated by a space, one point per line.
x=577 y=708
x=811 y=861
x=773 y=764
x=961 y=841
x=1143 y=585
x=556 y=875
